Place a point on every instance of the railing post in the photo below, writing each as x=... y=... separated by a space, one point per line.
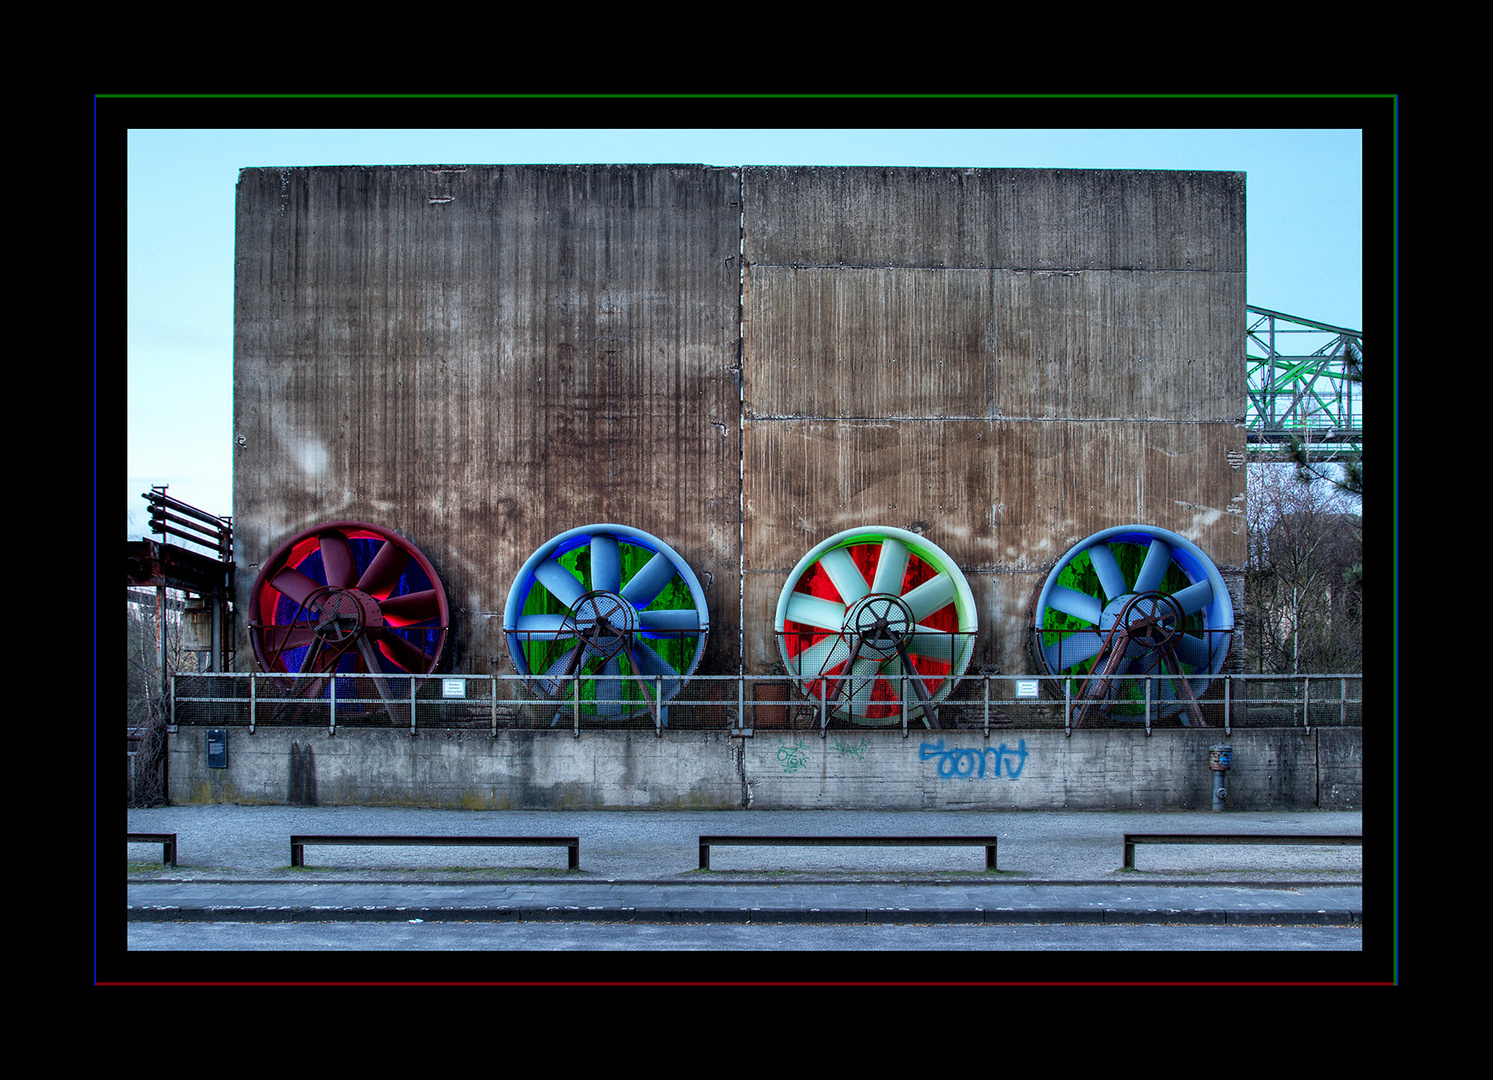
x=987 y=705
x=658 y=706
x=332 y=706
x=575 y=694
x=412 y=706
x=251 y=701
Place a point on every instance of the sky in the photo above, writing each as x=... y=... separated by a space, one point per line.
x=1304 y=220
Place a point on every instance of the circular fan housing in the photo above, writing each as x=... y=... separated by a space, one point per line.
x=867 y=606
x=1134 y=600
x=613 y=605
x=348 y=597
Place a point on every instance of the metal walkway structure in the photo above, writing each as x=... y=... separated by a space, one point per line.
x=1305 y=385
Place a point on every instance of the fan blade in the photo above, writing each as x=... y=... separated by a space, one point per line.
x=819 y=658
x=279 y=638
x=560 y=582
x=931 y=644
x=651 y=665
x=606 y=564
x=609 y=687
x=1153 y=570
x=1111 y=580
x=337 y=560
x=1195 y=597
x=562 y=665
x=1071 y=650
x=863 y=677
x=844 y=575
x=411 y=607
x=409 y=657
x=541 y=627
x=891 y=568
x=932 y=595
x=666 y=619
x=386 y=691
x=652 y=578
x=1072 y=602
x=383 y=571
x=294 y=585
x=1193 y=651
x=814 y=611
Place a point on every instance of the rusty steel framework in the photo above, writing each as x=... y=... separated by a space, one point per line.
x=163 y=564
x=1313 y=399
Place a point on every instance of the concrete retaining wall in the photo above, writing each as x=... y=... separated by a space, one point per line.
x=1272 y=769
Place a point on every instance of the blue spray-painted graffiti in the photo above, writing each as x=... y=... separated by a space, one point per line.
x=971 y=763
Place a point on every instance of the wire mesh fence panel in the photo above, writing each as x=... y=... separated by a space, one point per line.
x=749 y=702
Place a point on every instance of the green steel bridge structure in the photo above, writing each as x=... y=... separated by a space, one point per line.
x=1305 y=386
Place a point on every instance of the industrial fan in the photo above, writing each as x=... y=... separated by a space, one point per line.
x=610 y=616
x=872 y=615
x=1134 y=601
x=348 y=598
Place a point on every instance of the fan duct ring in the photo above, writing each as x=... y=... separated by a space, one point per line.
x=610 y=614
x=870 y=615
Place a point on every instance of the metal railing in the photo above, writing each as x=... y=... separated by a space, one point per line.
x=744 y=704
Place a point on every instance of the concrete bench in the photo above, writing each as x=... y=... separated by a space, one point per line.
x=167 y=840
x=1132 y=839
x=571 y=843
x=987 y=842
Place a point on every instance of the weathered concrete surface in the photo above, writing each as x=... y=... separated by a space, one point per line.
x=483 y=357
x=1272 y=769
x=1005 y=499
x=1061 y=219
x=742 y=362
x=1004 y=360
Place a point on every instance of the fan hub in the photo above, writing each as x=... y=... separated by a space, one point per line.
x=1150 y=620
x=604 y=620
x=881 y=621
x=343 y=614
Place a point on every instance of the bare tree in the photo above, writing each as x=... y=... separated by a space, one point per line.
x=1303 y=590
x=146 y=711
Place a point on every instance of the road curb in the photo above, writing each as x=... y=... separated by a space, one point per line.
x=850 y=915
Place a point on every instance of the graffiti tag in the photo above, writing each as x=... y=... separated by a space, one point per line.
x=793 y=757
x=971 y=763
x=857 y=751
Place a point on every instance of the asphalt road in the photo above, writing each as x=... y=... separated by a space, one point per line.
x=1059 y=887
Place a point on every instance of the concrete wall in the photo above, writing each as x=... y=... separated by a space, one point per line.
x=1004 y=360
x=1272 y=769
x=480 y=358
x=741 y=361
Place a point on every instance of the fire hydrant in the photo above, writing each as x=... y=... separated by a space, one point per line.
x=1219 y=756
